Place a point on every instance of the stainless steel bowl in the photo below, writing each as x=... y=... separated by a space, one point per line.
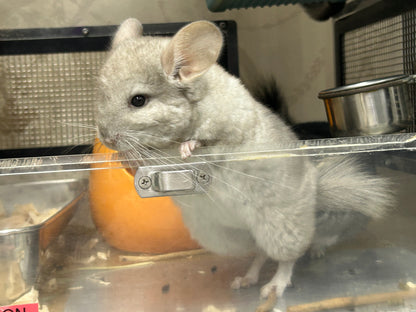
x=20 y=248
x=368 y=108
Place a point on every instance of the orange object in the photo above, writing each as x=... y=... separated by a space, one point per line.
x=54 y=225
x=129 y=222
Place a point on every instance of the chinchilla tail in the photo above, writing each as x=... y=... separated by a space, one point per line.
x=345 y=185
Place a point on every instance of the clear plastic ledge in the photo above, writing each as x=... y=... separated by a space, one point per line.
x=320 y=147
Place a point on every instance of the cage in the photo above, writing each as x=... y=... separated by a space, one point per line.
x=92 y=260
x=375 y=39
x=80 y=269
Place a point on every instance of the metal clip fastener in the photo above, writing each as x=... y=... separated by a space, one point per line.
x=172 y=180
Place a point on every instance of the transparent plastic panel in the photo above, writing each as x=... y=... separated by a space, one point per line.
x=342 y=210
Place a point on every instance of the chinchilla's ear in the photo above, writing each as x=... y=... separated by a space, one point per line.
x=192 y=51
x=130 y=29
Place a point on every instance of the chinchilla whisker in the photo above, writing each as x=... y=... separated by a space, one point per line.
x=164 y=160
x=139 y=148
x=99 y=147
x=230 y=185
x=75 y=125
x=163 y=155
x=132 y=154
x=86 y=138
x=213 y=163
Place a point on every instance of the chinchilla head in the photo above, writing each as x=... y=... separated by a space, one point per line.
x=149 y=86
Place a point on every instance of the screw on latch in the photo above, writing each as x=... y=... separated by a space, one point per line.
x=85 y=31
x=223 y=25
x=144 y=182
x=202 y=177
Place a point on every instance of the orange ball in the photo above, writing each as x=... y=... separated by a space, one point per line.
x=129 y=222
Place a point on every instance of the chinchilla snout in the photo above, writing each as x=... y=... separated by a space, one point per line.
x=107 y=138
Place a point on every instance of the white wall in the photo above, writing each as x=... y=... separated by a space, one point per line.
x=281 y=40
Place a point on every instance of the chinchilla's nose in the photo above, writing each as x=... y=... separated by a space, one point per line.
x=102 y=132
x=105 y=136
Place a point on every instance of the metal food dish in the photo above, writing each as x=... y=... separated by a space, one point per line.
x=20 y=248
x=369 y=108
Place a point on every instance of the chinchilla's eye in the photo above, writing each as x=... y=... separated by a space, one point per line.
x=138 y=100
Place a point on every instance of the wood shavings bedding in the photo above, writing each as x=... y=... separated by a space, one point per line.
x=31 y=296
x=14 y=285
x=23 y=215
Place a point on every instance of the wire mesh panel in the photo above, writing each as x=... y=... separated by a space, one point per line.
x=48 y=99
x=409 y=41
x=374 y=51
x=379 y=49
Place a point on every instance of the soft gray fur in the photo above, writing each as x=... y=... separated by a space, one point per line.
x=348 y=198
x=263 y=206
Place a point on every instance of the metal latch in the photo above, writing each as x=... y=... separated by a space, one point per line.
x=171 y=180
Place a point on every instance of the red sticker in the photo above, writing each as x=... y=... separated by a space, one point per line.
x=29 y=307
